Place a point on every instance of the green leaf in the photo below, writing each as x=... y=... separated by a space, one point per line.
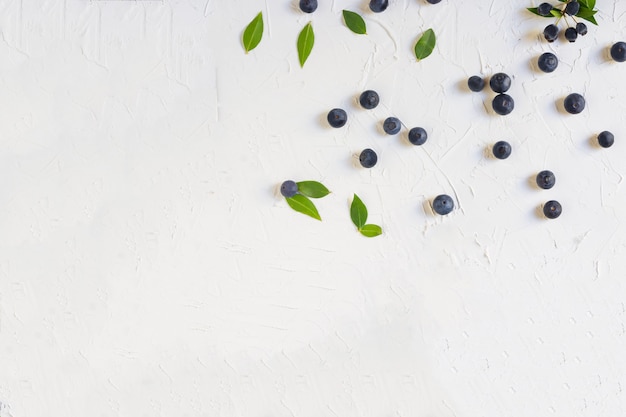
x=355 y=22
x=584 y=3
x=313 y=189
x=253 y=33
x=556 y=13
x=591 y=4
x=303 y=205
x=587 y=14
x=358 y=212
x=371 y=230
x=306 y=39
x=425 y=44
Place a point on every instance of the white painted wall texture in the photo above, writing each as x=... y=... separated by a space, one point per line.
x=149 y=266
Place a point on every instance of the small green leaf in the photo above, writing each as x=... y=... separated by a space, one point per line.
x=425 y=44
x=358 y=212
x=313 y=189
x=587 y=14
x=303 y=205
x=556 y=13
x=371 y=230
x=533 y=10
x=355 y=22
x=253 y=33
x=306 y=39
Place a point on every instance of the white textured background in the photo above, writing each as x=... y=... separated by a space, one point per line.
x=149 y=266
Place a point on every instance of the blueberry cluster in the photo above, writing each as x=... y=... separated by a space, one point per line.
x=546 y=180
x=499 y=83
x=567 y=12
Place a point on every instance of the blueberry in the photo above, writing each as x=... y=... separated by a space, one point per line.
x=581 y=28
x=337 y=117
x=546 y=179
x=503 y=104
x=369 y=99
x=544 y=9
x=392 y=125
x=618 y=51
x=574 y=103
x=572 y=8
x=606 y=139
x=500 y=82
x=475 y=83
x=571 y=34
x=443 y=204
x=308 y=6
x=288 y=188
x=378 y=6
x=502 y=149
x=548 y=62
x=551 y=32
x=368 y=158
x=552 y=209
x=417 y=136
x=433 y=1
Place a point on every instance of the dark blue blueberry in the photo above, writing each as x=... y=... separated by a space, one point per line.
x=417 y=136
x=548 y=62
x=574 y=103
x=572 y=8
x=378 y=6
x=337 y=117
x=581 y=28
x=433 y=1
x=546 y=179
x=369 y=99
x=443 y=204
x=503 y=104
x=552 y=209
x=544 y=9
x=551 y=32
x=308 y=6
x=392 y=125
x=571 y=34
x=289 y=188
x=606 y=139
x=368 y=158
x=502 y=149
x=618 y=51
x=475 y=83
x=500 y=82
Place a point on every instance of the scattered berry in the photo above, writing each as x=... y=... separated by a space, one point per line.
x=308 y=6
x=503 y=104
x=574 y=103
x=443 y=204
x=369 y=99
x=433 y=1
x=572 y=8
x=618 y=51
x=476 y=83
x=337 y=117
x=548 y=62
x=392 y=125
x=606 y=139
x=368 y=158
x=544 y=9
x=552 y=209
x=502 y=149
x=581 y=28
x=546 y=179
x=500 y=82
x=289 y=188
x=551 y=32
x=417 y=136
x=571 y=34
x=378 y=6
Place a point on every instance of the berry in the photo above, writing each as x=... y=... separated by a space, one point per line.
x=572 y=8
x=571 y=34
x=552 y=209
x=288 y=188
x=618 y=51
x=548 y=62
x=369 y=99
x=475 y=83
x=391 y=125
x=606 y=139
x=417 y=136
x=308 y=6
x=503 y=104
x=502 y=149
x=546 y=179
x=574 y=103
x=544 y=9
x=581 y=28
x=500 y=82
x=378 y=6
x=551 y=32
x=368 y=158
x=337 y=117
x=443 y=204
x=433 y=1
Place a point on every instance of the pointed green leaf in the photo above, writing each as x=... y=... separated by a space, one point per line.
x=355 y=22
x=556 y=13
x=253 y=33
x=306 y=39
x=358 y=212
x=425 y=44
x=533 y=10
x=371 y=230
x=313 y=189
x=303 y=205
x=583 y=3
x=587 y=14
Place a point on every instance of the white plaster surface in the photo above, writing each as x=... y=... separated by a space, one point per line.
x=149 y=266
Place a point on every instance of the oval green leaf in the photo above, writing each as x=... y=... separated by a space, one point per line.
x=425 y=45
x=306 y=39
x=371 y=230
x=312 y=189
x=355 y=22
x=358 y=212
x=303 y=205
x=253 y=33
